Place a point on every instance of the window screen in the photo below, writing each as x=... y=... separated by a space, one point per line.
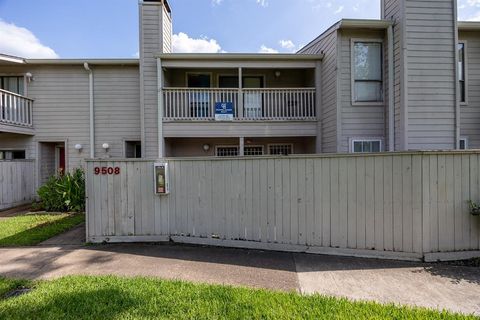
x=360 y=146
x=253 y=150
x=228 y=151
x=367 y=71
x=280 y=149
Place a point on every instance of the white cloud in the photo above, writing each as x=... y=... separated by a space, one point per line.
x=287 y=45
x=469 y=10
x=263 y=3
x=183 y=43
x=18 y=41
x=339 y=9
x=216 y=2
x=265 y=49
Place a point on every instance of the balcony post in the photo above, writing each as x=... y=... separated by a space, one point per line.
x=318 y=105
x=240 y=94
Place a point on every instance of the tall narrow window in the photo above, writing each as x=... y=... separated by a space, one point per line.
x=367 y=72
x=461 y=72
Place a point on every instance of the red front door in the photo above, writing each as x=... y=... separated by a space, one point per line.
x=61 y=160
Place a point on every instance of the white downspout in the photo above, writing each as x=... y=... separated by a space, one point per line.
x=92 y=123
x=391 y=92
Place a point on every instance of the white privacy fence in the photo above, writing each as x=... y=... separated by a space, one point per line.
x=16 y=183
x=406 y=205
x=15 y=109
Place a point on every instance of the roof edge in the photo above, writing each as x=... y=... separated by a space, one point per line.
x=239 y=56
x=468 y=25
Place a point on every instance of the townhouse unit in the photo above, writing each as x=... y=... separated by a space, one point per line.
x=408 y=81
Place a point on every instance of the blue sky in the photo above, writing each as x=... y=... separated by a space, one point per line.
x=109 y=28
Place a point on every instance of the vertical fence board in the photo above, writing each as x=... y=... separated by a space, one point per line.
x=16 y=183
x=412 y=203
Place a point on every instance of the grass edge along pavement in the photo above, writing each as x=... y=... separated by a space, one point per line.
x=113 y=297
x=31 y=229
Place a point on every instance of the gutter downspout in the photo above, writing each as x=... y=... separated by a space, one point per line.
x=391 y=92
x=92 y=123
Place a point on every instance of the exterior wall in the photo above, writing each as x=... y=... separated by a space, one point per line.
x=327 y=43
x=425 y=56
x=61 y=108
x=289 y=78
x=405 y=205
x=431 y=70
x=17 y=183
x=117 y=112
x=193 y=147
x=470 y=111
x=358 y=120
x=394 y=10
x=10 y=141
x=152 y=42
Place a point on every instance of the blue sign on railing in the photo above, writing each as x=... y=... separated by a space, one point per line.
x=224 y=111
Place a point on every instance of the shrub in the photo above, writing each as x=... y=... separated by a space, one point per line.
x=65 y=193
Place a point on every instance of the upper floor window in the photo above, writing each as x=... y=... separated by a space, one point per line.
x=367 y=72
x=13 y=84
x=461 y=72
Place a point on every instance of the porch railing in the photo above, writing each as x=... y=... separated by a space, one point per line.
x=196 y=104
x=15 y=109
x=248 y=104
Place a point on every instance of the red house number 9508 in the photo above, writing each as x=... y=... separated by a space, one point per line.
x=106 y=170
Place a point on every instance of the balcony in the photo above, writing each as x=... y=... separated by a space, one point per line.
x=265 y=104
x=16 y=113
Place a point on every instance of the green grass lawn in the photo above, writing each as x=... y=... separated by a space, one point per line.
x=109 y=297
x=32 y=229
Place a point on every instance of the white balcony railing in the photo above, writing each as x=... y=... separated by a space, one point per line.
x=248 y=104
x=15 y=109
x=196 y=104
x=279 y=104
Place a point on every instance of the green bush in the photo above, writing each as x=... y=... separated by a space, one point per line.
x=64 y=193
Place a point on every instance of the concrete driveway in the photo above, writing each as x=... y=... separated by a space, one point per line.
x=430 y=285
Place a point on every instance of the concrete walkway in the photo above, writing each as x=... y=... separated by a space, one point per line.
x=430 y=285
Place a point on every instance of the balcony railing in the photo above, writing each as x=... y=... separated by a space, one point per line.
x=15 y=109
x=248 y=104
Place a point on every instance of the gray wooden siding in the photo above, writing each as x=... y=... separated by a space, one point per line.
x=117 y=108
x=167 y=31
x=150 y=44
x=17 y=183
x=61 y=108
x=328 y=45
x=430 y=38
x=18 y=142
x=405 y=205
x=470 y=112
x=358 y=120
x=393 y=10
x=240 y=129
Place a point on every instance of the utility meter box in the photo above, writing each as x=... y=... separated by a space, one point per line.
x=162 y=185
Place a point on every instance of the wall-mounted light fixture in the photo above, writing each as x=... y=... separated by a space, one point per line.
x=277 y=74
x=105 y=146
x=206 y=147
x=29 y=77
x=78 y=147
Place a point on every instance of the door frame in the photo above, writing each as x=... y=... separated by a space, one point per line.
x=39 y=156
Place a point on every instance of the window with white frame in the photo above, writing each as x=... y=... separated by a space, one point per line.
x=226 y=151
x=253 y=150
x=461 y=73
x=365 y=145
x=367 y=71
x=280 y=149
x=463 y=143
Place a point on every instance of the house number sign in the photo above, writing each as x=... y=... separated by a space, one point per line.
x=106 y=170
